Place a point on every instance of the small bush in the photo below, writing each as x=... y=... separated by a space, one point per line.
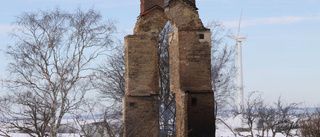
x=310 y=127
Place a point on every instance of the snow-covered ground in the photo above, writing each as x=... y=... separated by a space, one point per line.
x=222 y=129
x=233 y=123
x=67 y=125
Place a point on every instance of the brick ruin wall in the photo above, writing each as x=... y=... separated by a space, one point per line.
x=141 y=116
x=145 y=5
x=140 y=102
x=190 y=71
x=190 y=77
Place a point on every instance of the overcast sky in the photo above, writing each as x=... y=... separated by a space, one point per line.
x=280 y=58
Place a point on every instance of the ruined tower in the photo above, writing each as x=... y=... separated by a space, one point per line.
x=190 y=70
x=140 y=103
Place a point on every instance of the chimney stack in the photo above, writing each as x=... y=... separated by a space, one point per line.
x=145 y=5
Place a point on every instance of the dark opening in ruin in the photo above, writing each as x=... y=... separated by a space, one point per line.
x=201 y=36
x=132 y=104
x=194 y=101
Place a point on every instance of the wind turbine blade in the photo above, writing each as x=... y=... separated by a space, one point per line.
x=239 y=24
x=231 y=37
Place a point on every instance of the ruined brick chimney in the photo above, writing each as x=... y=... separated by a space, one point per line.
x=149 y=4
x=190 y=2
x=140 y=102
x=190 y=71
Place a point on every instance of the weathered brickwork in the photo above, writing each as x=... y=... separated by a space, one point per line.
x=195 y=60
x=152 y=22
x=146 y=5
x=183 y=16
x=174 y=62
x=141 y=116
x=140 y=103
x=190 y=70
x=181 y=99
x=200 y=114
x=141 y=56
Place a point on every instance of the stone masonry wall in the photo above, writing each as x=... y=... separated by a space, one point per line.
x=181 y=99
x=174 y=61
x=140 y=102
x=190 y=77
x=151 y=23
x=141 y=58
x=195 y=60
x=183 y=16
x=201 y=114
x=140 y=116
x=190 y=71
x=148 y=4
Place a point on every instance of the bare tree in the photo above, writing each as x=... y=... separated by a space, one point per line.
x=310 y=126
x=109 y=80
x=266 y=115
x=109 y=77
x=95 y=119
x=251 y=107
x=50 y=71
x=166 y=98
x=251 y=113
x=279 y=118
x=223 y=68
x=286 y=118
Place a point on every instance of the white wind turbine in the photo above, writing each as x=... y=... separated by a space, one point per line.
x=239 y=40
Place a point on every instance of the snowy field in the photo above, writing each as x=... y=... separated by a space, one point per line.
x=70 y=125
x=224 y=131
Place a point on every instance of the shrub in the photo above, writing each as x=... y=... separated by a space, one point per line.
x=310 y=127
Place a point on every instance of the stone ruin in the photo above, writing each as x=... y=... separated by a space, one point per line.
x=190 y=71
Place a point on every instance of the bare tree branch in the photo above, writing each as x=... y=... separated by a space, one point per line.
x=50 y=68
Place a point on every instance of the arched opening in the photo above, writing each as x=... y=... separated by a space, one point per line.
x=167 y=117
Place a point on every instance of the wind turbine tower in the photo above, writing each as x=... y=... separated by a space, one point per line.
x=239 y=40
